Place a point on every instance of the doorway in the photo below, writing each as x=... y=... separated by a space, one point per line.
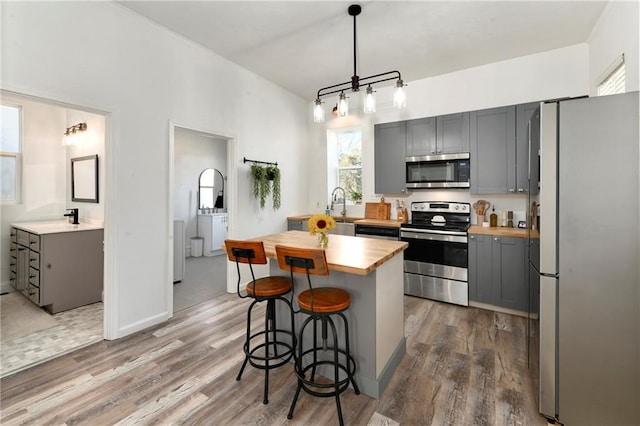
x=201 y=201
x=30 y=335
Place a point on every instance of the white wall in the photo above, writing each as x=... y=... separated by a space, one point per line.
x=194 y=152
x=553 y=74
x=615 y=33
x=101 y=55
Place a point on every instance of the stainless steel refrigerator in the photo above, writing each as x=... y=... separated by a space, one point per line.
x=589 y=259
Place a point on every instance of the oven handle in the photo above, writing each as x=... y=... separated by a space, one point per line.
x=435 y=236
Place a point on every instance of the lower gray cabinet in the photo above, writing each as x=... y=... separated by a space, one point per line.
x=297 y=225
x=497 y=271
x=534 y=278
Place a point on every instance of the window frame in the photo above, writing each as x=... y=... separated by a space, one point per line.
x=18 y=158
x=607 y=76
x=333 y=166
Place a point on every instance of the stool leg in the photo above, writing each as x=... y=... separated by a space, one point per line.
x=336 y=370
x=246 y=342
x=297 y=362
x=346 y=336
x=315 y=348
x=269 y=317
x=274 y=326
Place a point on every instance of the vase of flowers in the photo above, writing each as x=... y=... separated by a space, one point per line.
x=319 y=225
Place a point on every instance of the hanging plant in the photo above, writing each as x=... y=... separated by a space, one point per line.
x=273 y=174
x=261 y=184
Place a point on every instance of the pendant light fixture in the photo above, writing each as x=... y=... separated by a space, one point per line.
x=399 y=97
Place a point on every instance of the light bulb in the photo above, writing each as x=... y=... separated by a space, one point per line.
x=369 y=101
x=400 y=96
x=343 y=105
x=318 y=112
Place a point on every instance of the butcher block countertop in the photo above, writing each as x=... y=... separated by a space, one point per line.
x=351 y=255
x=503 y=231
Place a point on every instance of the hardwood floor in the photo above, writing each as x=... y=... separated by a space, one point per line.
x=464 y=366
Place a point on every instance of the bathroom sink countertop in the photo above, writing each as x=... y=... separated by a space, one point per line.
x=54 y=227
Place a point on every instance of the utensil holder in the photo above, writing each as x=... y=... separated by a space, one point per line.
x=480 y=219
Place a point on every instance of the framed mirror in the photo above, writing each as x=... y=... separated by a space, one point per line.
x=211 y=189
x=84 y=179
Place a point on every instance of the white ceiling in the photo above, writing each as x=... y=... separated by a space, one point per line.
x=305 y=45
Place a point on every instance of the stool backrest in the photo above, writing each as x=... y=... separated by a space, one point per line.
x=249 y=252
x=302 y=261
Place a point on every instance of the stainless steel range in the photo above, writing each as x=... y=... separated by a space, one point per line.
x=435 y=263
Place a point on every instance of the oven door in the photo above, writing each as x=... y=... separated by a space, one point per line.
x=436 y=254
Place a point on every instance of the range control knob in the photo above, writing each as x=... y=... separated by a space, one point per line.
x=457 y=207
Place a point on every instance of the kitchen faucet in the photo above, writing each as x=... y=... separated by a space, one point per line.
x=343 y=213
x=73 y=216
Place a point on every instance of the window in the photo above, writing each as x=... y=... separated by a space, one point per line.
x=10 y=135
x=344 y=162
x=613 y=81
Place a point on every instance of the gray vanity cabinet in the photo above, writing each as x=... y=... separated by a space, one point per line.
x=497 y=271
x=421 y=137
x=389 y=162
x=59 y=271
x=493 y=133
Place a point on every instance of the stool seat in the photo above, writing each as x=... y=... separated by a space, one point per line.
x=326 y=300
x=269 y=287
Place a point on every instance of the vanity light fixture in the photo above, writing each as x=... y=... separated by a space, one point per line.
x=73 y=133
x=399 y=98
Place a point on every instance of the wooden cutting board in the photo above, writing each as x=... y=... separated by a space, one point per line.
x=379 y=210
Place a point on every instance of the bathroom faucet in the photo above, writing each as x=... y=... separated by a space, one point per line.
x=343 y=213
x=73 y=216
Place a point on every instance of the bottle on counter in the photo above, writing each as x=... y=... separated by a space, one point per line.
x=493 y=218
x=328 y=210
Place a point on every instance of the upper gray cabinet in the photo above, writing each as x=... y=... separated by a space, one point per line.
x=500 y=150
x=389 y=162
x=421 y=137
x=493 y=133
x=452 y=134
x=444 y=134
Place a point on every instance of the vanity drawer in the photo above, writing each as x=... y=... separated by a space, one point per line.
x=14 y=235
x=22 y=237
x=34 y=277
x=34 y=294
x=34 y=242
x=13 y=279
x=13 y=254
x=34 y=259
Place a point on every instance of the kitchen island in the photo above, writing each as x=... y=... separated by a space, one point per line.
x=371 y=270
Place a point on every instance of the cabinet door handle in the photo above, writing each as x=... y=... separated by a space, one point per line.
x=21 y=249
x=520 y=189
x=512 y=190
x=472 y=237
x=496 y=239
x=33 y=242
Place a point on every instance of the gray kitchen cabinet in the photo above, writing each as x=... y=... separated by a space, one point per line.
x=497 y=271
x=453 y=133
x=444 y=134
x=523 y=114
x=389 y=161
x=59 y=271
x=479 y=268
x=493 y=133
x=509 y=282
x=420 y=137
x=297 y=225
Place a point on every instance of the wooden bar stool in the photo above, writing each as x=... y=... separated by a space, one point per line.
x=321 y=304
x=273 y=351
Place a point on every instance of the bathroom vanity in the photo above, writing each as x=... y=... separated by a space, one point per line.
x=213 y=228
x=57 y=265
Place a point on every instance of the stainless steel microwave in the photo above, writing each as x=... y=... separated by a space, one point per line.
x=438 y=171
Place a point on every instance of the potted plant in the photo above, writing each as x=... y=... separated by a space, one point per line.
x=356 y=196
x=265 y=181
